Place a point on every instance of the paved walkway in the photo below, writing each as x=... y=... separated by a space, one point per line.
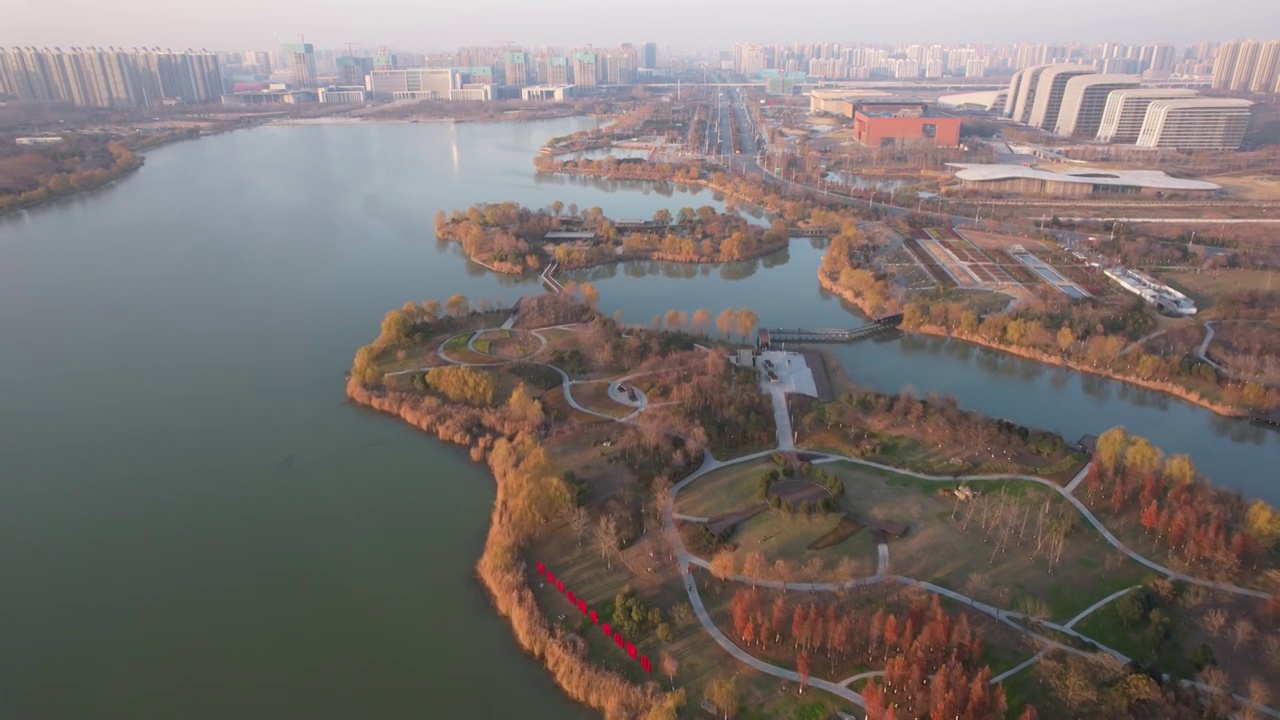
x=746 y=658
x=687 y=561
x=1088 y=515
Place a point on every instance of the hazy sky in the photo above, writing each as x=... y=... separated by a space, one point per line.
x=445 y=24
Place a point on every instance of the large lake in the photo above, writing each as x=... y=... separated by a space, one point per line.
x=195 y=524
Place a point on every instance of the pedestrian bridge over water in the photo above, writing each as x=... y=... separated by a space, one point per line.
x=771 y=336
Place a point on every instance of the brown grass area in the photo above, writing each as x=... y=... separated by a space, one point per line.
x=1251 y=187
x=938 y=548
x=1208 y=285
x=723 y=491
x=595 y=396
x=999 y=241
x=582 y=450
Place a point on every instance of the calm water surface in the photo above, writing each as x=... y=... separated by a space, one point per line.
x=193 y=522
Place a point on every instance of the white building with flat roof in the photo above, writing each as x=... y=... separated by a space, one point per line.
x=414 y=83
x=1195 y=124
x=1126 y=109
x=1084 y=101
x=1050 y=89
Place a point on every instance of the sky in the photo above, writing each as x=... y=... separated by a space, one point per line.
x=426 y=25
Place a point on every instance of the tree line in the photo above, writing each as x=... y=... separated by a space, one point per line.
x=932 y=660
x=1205 y=529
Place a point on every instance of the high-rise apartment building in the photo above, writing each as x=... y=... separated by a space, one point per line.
x=516 y=67
x=584 y=69
x=558 y=71
x=302 y=63
x=1266 y=71
x=1195 y=124
x=95 y=77
x=1248 y=66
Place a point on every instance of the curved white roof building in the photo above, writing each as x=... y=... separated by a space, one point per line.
x=990 y=100
x=1050 y=88
x=1022 y=92
x=1195 y=124
x=1085 y=99
x=1126 y=109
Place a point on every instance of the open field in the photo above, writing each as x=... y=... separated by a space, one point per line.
x=595 y=396
x=999 y=241
x=940 y=549
x=1207 y=285
x=723 y=491
x=1250 y=187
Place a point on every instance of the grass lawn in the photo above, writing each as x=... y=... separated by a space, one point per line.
x=700 y=659
x=595 y=396
x=1203 y=287
x=781 y=537
x=723 y=491
x=937 y=549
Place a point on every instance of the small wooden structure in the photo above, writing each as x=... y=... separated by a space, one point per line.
x=1270 y=418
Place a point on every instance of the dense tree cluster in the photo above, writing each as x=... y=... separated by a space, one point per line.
x=1089 y=335
x=844 y=274
x=81 y=162
x=932 y=660
x=511 y=238
x=1206 y=529
x=1096 y=686
x=863 y=416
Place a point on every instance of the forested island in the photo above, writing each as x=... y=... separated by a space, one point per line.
x=508 y=238
x=905 y=558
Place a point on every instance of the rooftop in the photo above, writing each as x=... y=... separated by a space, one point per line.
x=1126 y=178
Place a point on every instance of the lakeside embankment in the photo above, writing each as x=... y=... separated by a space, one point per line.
x=501 y=569
x=1170 y=389
x=127 y=157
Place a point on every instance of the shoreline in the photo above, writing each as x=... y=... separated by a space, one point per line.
x=501 y=571
x=1174 y=391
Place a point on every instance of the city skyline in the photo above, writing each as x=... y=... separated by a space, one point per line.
x=708 y=25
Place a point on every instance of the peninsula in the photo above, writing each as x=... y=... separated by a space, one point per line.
x=761 y=544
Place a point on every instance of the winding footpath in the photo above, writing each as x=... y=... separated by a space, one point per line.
x=686 y=561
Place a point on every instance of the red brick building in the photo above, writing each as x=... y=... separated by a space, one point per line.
x=878 y=124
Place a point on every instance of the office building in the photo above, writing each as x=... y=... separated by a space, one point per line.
x=414 y=83
x=585 y=69
x=1126 y=109
x=649 y=56
x=1022 y=93
x=301 y=58
x=1195 y=124
x=93 y=77
x=516 y=67
x=342 y=95
x=354 y=69
x=884 y=123
x=1085 y=99
x=1050 y=88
